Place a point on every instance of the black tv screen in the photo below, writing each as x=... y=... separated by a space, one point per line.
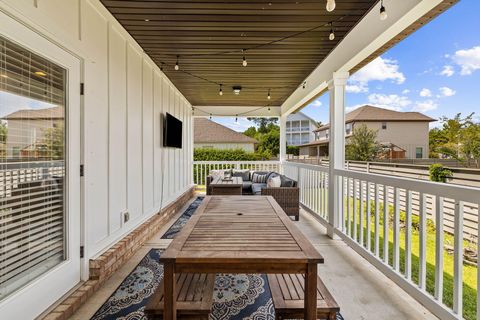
x=172 y=132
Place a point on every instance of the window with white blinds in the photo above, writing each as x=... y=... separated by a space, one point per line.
x=32 y=166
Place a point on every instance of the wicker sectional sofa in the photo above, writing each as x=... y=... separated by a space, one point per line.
x=287 y=193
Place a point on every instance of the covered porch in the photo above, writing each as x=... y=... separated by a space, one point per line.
x=127 y=63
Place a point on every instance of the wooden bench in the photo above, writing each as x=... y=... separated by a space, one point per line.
x=194 y=297
x=288 y=291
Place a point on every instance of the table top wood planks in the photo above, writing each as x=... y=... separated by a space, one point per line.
x=241 y=234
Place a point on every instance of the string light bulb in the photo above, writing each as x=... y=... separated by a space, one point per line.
x=332 y=33
x=330 y=5
x=236 y=118
x=268 y=109
x=383 y=12
x=268 y=96
x=177 y=67
x=220 y=92
x=244 y=61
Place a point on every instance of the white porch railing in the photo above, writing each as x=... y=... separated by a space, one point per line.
x=392 y=222
x=201 y=169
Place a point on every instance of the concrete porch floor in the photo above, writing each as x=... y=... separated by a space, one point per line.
x=360 y=289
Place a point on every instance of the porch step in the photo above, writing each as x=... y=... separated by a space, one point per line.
x=194 y=297
x=288 y=293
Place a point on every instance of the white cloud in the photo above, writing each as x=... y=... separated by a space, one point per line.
x=446 y=92
x=468 y=60
x=390 y=101
x=425 y=93
x=424 y=106
x=447 y=71
x=380 y=69
x=349 y=109
x=317 y=103
x=356 y=88
x=406 y=91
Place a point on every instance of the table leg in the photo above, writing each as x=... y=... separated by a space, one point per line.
x=170 y=309
x=311 y=292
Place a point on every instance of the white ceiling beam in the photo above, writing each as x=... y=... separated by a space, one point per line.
x=369 y=35
x=232 y=111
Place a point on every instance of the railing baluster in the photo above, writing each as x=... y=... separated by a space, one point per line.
x=385 y=224
x=355 y=209
x=408 y=235
x=422 y=273
x=439 y=248
x=458 y=259
x=396 y=229
x=368 y=217
x=349 y=201
x=377 y=222
x=361 y=218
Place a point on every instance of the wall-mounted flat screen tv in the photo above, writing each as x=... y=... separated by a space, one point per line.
x=172 y=132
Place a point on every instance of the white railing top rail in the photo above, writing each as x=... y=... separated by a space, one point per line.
x=307 y=166
x=239 y=161
x=457 y=192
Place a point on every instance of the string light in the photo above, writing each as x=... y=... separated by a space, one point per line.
x=176 y=65
x=330 y=5
x=210 y=116
x=237 y=89
x=304 y=84
x=268 y=96
x=220 y=92
x=244 y=62
x=236 y=118
x=268 y=109
x=332 y=34
x=383 y=12
x=193 y=111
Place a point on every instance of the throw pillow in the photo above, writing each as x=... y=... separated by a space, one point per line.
x=274 y=182
x=245 y=174
x=217 y=173
x=259 y=178
x=287 y=182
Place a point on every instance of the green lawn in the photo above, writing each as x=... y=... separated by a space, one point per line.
x=469 y=272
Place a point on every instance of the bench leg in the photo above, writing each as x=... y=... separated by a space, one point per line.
x=170 y=310
x=332 y=316
x=311 y=292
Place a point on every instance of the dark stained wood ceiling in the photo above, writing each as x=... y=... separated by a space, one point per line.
x=198 y=30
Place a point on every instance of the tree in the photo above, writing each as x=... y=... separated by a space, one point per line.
x=269 y=143
x=3 y=133
x=53 y=142
x=362 y=145
x=264 y=124
x=251 y=132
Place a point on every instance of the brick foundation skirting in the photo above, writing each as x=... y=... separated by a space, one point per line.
x=111 y=260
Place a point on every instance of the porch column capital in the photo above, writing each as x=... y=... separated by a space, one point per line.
x=338 y=79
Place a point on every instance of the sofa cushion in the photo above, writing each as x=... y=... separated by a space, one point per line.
x=245 y=174
x=287 y=182
x=257 y=188
x=260 y=172
x=219 y=173
x=259 y=178
x=247 y=186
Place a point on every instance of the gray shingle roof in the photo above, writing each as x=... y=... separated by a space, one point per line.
x=209 y=131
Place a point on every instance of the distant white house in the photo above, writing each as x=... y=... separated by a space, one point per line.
x=209 y=134
x=300 y=129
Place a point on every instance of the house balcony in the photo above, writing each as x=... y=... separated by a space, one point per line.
x=91 y=179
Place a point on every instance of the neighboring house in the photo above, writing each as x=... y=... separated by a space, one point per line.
x=405 y=134
x=26 y=129
x=300 y=129
x=209 y=134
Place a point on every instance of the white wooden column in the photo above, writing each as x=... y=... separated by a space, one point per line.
x=283 y=138
x=336 y=88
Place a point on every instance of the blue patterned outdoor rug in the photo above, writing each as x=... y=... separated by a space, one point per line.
x=182 y=220
x=236 y=297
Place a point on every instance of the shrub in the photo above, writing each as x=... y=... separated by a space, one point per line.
x=295 y=150
x=438 y=173
x=210 y=154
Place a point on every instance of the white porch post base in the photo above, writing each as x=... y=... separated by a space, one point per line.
x=336 y=146
x=283 y=138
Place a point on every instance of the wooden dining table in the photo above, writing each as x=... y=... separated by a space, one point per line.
x=240 y=234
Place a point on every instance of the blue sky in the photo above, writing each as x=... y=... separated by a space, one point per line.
x=436 y=71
